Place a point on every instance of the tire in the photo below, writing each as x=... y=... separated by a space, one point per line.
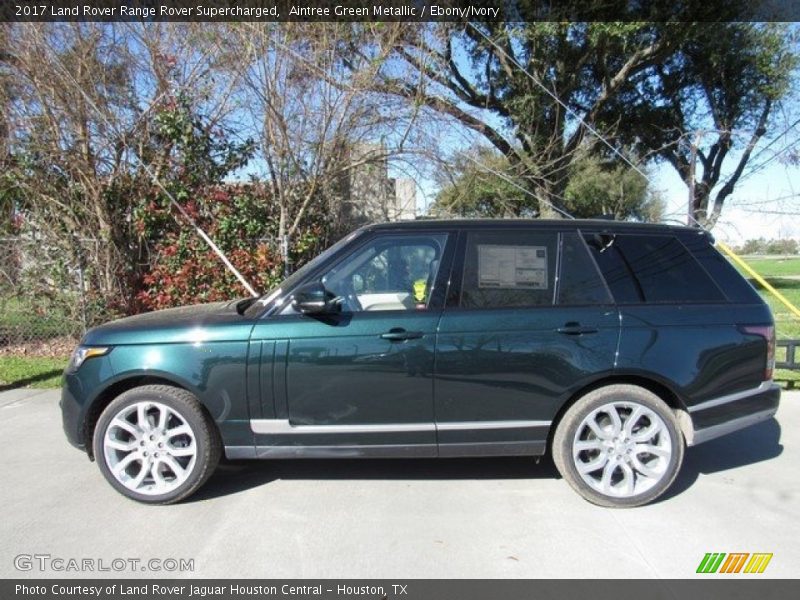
x=156 y=445
x=613 y=463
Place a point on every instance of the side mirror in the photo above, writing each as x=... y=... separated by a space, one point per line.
x=313 y=298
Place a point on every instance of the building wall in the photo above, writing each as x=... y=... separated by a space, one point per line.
x=370 y=195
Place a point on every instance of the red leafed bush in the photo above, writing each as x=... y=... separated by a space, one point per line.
x=242 y=219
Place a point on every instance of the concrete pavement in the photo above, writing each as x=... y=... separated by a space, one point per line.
x=475 y=518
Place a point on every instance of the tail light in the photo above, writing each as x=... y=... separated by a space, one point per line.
x=768 y=333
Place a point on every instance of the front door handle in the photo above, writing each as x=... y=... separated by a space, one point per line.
x=399 y=335
x=574 y=328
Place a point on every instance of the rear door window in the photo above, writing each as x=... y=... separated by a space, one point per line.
x=579 y=281
x=651 y=268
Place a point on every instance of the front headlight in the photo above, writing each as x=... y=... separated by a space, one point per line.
x=83 y=353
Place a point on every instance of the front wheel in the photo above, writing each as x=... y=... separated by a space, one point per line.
x=155 y=444
x=619 y=446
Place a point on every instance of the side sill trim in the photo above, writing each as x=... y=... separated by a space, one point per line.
x=764 y=387
x=480 y=449
x=472 y=425
x=470 y=449
x=709 y=433
x=237 y=452
x=283 y=426
x=365 y=451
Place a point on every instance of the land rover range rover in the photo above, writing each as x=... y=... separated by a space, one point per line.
x=613 y=346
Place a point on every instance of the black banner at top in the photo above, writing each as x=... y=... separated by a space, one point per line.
x=398 y=10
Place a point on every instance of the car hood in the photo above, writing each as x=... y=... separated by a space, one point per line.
x=215 y=322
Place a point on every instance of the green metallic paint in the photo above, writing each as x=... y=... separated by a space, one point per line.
x=338 y=370
x=476 y=365
x=513 y=364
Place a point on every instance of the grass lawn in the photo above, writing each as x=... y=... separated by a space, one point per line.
x=774 y=267
x=30 y=371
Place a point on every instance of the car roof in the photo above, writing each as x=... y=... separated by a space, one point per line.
x=593 y=224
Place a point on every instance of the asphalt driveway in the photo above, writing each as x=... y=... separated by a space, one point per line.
x=475 y=518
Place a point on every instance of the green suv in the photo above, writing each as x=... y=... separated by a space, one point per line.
x=612 y=346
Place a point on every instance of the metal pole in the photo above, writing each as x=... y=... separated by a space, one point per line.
x=285 y=255
x=82 y=285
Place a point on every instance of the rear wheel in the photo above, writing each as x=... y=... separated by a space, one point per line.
x=619 y=446
x=155 y=444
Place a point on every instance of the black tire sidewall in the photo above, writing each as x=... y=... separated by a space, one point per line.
x=568 y=426
x=189 y=409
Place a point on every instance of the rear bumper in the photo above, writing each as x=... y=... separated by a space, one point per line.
x=726 y=414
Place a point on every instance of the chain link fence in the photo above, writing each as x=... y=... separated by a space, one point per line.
x=45 y=297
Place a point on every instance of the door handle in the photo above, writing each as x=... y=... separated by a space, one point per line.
x=573 y=328
x=400 y=335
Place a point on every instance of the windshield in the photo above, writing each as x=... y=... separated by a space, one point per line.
x=257 y=307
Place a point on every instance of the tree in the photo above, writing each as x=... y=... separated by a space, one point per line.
x=606 y=188
x=479 y=186
x=710 y=104
x=784 y=246
x=87 y=143
x=470 y=190
x=315 y=119
x=7 y=201
x=63 y=157
x=536 y=91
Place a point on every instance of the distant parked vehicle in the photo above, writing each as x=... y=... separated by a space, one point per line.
x=611 y=345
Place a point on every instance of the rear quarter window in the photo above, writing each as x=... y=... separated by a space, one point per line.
x=735 y=286
x=652 y=269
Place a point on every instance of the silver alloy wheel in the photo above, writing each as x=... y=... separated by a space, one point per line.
x=622 y=449
x=150 y=448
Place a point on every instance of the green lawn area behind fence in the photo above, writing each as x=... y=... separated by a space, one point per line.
x=776 y=266
x=784 y=275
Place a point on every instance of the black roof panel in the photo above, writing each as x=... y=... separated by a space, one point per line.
x=603 y=224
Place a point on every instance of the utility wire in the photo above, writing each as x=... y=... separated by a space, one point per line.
x=504 y=177
x=514 y=183
x=559 y=101
x=589 y=127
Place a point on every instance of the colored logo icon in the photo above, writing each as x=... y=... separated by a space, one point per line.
x=734 y=562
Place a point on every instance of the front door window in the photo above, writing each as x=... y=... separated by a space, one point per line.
x=392 y=272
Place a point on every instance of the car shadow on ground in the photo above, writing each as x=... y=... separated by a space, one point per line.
x=236 y=476
x=749 y=446
x=753 y=445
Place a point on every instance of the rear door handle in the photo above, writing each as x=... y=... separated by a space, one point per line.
x=400 y=335
x=573 y=328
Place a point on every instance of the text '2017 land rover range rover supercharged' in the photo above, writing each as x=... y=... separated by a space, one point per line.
x=613 y=346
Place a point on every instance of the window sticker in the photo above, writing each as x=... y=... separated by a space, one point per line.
x=512 y=267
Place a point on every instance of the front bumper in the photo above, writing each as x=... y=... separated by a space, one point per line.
x=72 y=412
x=726 y=414
x=79 y=391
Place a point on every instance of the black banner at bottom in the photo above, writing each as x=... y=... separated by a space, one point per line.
x=404 y=589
